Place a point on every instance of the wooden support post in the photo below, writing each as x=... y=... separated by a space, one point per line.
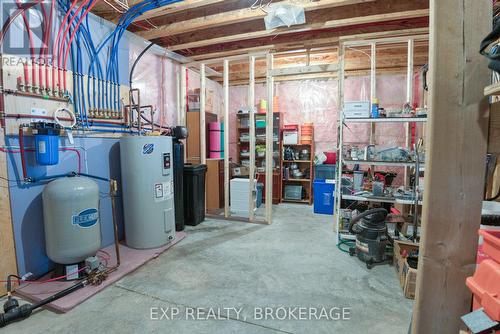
x=226 y=138
x=203 y=125
x=178 y=97
x=409 y=99
x=269 y=140
x=409 y=72
x=8 y=264
x=183 y=103
x=251 y=116
x=373 y=86
x=340 y=134
x=455 y=163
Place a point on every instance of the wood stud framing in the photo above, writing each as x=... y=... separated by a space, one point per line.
x=203 y=125
x=183 y=101
x=409 y=99
x=226 y=137
x=269 y=140
x=251 y=116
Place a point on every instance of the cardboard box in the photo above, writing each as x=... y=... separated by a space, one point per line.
x=406 y=274
x=407 y=229
x=241 y=171
x=410 y=280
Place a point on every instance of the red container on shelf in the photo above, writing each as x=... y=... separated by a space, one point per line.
x=291 y=127
x=331 y=158
x=485 y=287
x=491 y=244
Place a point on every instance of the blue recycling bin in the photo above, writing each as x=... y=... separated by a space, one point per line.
x=324 y=196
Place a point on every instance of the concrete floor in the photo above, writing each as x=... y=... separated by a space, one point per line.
x=221 y=264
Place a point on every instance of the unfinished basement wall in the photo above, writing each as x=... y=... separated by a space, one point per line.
x=214 y=93
x=156 y=77
x=315 y=101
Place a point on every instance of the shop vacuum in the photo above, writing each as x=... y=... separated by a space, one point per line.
x=371 y=236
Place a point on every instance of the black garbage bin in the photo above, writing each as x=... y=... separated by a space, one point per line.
x=179 y=184
x=194 y=194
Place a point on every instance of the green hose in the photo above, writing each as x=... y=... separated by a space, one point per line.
x=348 y=243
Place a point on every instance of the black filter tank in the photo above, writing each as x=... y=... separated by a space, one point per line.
x=179 y=184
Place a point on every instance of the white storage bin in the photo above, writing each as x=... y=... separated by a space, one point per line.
x=357 y=109
x=290 y=137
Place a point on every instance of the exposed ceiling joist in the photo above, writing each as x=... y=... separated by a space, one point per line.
x=177 y=7
x=313 y=43
x=232 y=17
x=311 y=69
x=281 y=46
x=317 y=76
x=329 y=24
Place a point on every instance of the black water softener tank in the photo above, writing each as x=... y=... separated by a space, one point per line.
x=179 y=184
x=179 y=132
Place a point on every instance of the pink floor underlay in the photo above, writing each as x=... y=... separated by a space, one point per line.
x=131 y=259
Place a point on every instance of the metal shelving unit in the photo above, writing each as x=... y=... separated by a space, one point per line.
x=382 y=163
x=385 y=120
x=343 y=122
x=340 y=162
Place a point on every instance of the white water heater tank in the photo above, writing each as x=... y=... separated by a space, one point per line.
x=71 y=219
x=148 y=190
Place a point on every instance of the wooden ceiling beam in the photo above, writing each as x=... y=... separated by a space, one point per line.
x=242 y=81
x=320 y=42
x=235 y=16
x=177 y=7
x=378 y=18
x=309 y=44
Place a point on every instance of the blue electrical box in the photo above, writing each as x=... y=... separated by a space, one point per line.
x=47 y=143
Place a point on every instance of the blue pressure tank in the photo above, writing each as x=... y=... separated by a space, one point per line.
x=46 y=143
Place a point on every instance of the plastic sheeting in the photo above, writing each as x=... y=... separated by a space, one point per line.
x=213 y=88
x=155 y=76
x=315 y=101
x=284 y=15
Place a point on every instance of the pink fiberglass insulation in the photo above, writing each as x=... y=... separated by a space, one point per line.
x=214 y=90
x=155 y=76
x=315 y=101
